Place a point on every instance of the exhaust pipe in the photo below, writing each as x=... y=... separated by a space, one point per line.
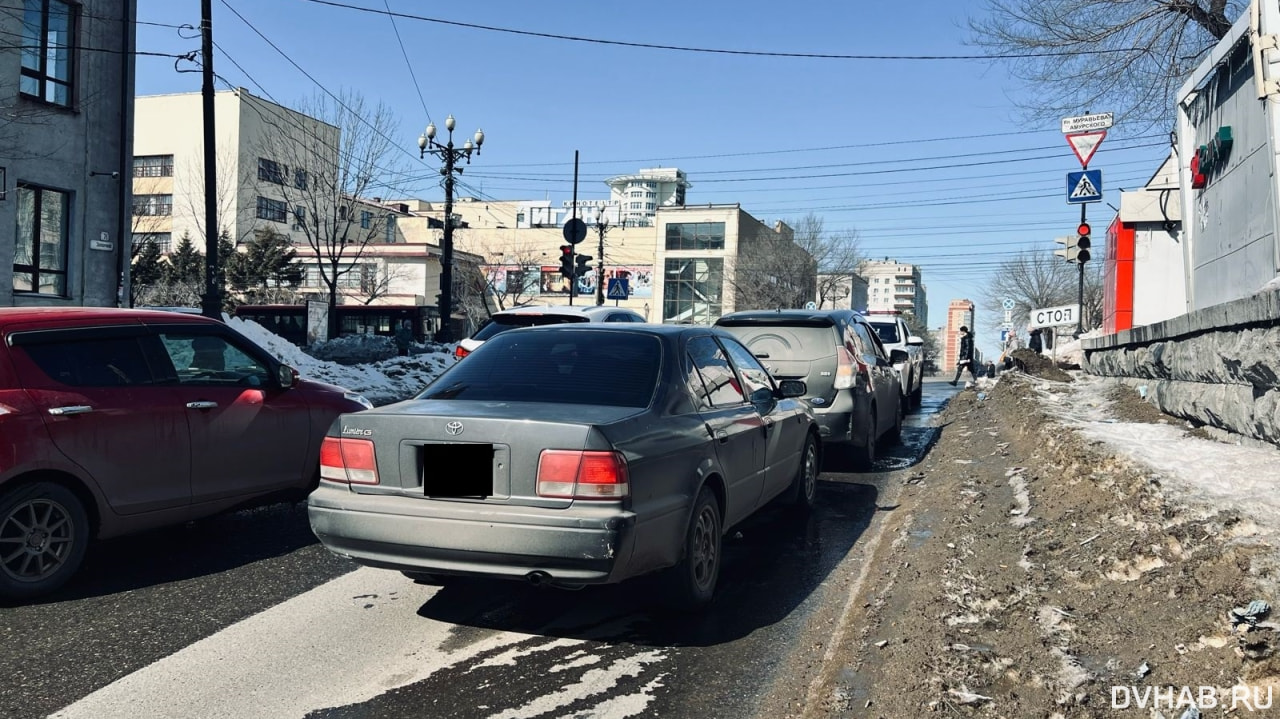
x=538 y=578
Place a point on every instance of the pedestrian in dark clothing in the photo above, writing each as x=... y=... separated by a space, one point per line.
x=1035 y=341
x=404 y=337
x=965 y=358
x=991 y=369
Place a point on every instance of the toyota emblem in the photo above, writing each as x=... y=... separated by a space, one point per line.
x=453 y=428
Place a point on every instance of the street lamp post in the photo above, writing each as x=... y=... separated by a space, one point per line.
x=602 y=226
x=450 y=156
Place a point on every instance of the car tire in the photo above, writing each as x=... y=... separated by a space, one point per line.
x=44 y=531
x=692 y=581
x=895 y=432
x=917 y=395
x=866 y=456
x=804 y=487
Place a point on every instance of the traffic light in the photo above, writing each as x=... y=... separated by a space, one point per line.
x=1075 y=249
x=566 y=260
x=584 y=265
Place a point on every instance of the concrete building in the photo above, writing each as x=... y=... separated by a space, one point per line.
x=267 y=158
x=842 y=292
x=639 y=196
x=715 y=259
x=894 y=286
x=64 y=149
x=960 y=313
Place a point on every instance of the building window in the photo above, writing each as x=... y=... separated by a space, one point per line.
x=162 y=240
x=695 y=236
x=299 y=215
x=152 y=205
x=352 y=277
x=390 y=228
x=270 y=171
x=153 y=166
x=273 y=210
x=43 y=238
x=366 y=219
x=300 y=179
x=48 y=50
x=692 y=290
x=648 y=206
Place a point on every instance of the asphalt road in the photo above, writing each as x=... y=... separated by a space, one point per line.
x=246 y=616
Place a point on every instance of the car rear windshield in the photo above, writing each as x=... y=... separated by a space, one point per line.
x=615 y=369
x=502 y=323
x=888 y=331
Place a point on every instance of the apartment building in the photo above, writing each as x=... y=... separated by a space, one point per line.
x=894 y=286
x=64 y=150
x=960 y=313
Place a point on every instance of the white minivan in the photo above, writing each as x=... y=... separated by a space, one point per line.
x=533 y=316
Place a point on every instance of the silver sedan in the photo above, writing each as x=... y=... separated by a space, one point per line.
x=571 y=455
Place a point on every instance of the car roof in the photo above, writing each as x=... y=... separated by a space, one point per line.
x=10 y=316
x=661 y=330
x=562 y=310
x=764 y=316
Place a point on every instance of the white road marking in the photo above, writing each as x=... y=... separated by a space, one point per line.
x=345 y=642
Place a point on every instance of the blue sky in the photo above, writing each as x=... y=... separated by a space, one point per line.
x=894 y=139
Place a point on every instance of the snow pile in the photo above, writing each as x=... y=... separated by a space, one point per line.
x=383 y=382
x=1201 y=472
x=1071 y=351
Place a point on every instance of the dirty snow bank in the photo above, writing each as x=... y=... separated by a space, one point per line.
x=382 y=382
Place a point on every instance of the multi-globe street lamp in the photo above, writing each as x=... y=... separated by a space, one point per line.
x=450 y=155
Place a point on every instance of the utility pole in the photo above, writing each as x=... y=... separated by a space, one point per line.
x=573 y=259
x=450 y=155
x=602 y=226
x=211 y=301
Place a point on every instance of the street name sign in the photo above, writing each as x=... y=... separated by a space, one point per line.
x=1084 y=144
x=1054 y=316
x=618 y=289
x=1084 y=186
x=1085 y=123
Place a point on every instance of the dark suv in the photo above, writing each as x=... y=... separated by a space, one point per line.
x=854 y=391
x=115 y=421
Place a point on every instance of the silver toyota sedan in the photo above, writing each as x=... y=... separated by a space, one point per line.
x=571 y=455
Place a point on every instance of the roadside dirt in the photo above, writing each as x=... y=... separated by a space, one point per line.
x=1027 y=573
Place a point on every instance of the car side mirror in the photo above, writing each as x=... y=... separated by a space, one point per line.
x=764 y=395
x=286 y=376
x=793 y=388
x=896 y=356
x=915 y=341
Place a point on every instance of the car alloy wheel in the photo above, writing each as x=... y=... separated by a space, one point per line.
x=706 y=548
x=43 y=531
x=805 y=486
x=691 y=583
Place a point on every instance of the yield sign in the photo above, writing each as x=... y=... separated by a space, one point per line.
x=1084 y=144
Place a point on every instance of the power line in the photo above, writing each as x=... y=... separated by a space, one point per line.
x=718 y=51
x=416 y=85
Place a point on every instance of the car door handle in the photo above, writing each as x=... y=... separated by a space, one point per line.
x=70 y=410
x=202 y=405
x=768 y=425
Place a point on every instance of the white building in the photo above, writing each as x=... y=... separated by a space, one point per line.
x=640 y=195
x=894 y=286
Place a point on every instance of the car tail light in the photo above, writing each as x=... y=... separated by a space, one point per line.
x=847 y=368
x=6 y=409
x=349 y=461
x=575 y=474
x=459 y=352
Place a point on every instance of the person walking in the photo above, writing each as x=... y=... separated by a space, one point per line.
x=965 y=358
x=404 y=338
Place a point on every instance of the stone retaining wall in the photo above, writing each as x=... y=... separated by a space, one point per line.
x=1219 y=366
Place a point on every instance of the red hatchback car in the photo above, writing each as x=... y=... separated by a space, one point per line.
x=114 y=421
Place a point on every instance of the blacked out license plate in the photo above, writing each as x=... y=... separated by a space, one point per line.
x=457 y=470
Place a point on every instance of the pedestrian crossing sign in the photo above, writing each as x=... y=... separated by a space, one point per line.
x=619 y=289
x=1084 y=186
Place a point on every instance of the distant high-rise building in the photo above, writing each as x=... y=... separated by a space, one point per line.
x=638 y=196
x=894 y=286
x=959 y=314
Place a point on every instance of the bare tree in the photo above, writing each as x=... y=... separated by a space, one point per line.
x=1122 y=56
x=380 y=280
x=320 y=177
x=514 y=281
x=789 y=267
x=1040 y=279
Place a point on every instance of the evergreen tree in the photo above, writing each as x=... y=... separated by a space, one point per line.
x=268 y=262
x=186 y=263
x=147 y=269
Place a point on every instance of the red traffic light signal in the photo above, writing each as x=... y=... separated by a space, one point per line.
x=1083 y=230
x=566 y=261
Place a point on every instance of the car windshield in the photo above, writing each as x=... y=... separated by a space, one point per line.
x=888 y=331
x=501 y=323
x=563 y=367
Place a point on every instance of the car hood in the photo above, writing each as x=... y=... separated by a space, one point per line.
x=312 y=385
x=537 y=411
